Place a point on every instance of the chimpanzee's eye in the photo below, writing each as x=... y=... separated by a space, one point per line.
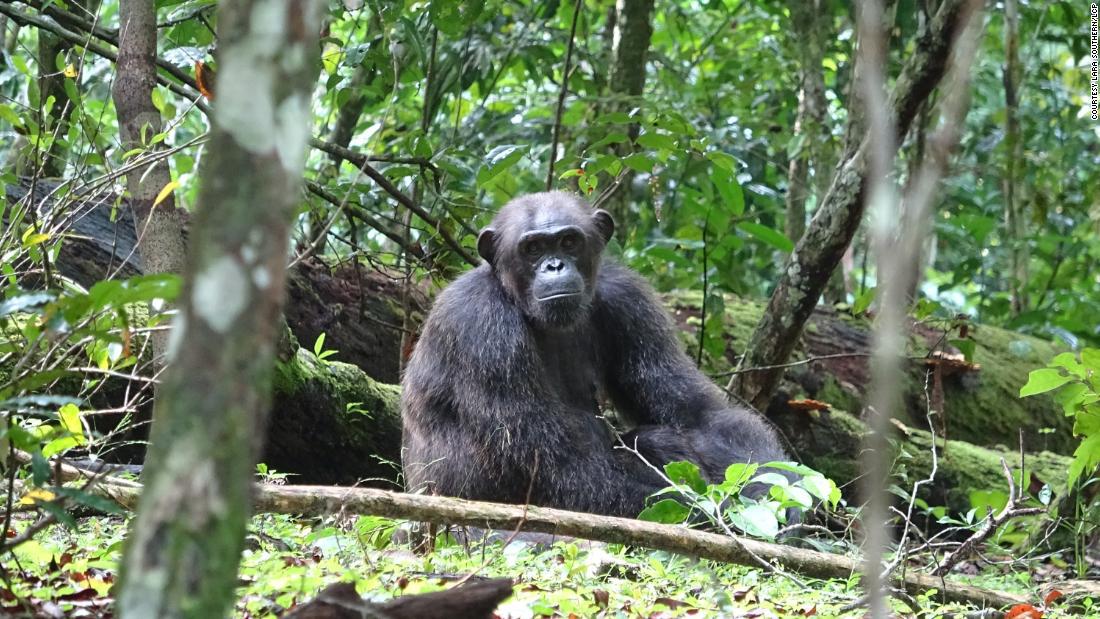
x=532 y=249
x=569 y=242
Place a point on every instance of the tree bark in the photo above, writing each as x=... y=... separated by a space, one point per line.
x=830 y=231
x=1015 y=210
x=630 y=37
x=157 y=226
x=809 y=21
x=184 y=545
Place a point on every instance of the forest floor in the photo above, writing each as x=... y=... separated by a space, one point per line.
x=70 y=572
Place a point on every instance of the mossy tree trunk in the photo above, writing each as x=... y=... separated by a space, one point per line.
x=829 y=233
x=184 y=546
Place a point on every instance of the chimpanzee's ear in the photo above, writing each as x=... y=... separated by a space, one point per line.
x=487 y=244
x=604 y=223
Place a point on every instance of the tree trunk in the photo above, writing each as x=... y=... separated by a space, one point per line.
x=184 y=546
x=810 y=21
x=157 y=226
x=827 y=237
x=630 y=40
x=1015 y=210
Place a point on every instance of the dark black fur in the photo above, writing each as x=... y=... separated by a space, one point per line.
x=501 y=385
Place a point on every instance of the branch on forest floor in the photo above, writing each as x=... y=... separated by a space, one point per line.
x=322 y=500
x=991 y=524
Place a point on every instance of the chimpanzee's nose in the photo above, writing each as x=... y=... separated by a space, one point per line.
x=554 y=264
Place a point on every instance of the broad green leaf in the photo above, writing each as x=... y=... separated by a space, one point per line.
x=453 y=17
x=756 y=520
x=739 y=473
x=768 y=235
x=617 y=137
x=1090 y=358
x=730 y=191
x=1085 y=458
x=864 y=301
x=657 y=141
x=686 y=473
x=771 y=479
x=666 y=511
x=1043 y=380
x=498 y=161
x=723 y=160
x=69 y=415
x=639 y=162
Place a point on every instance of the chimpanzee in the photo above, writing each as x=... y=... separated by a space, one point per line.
x=501 y=395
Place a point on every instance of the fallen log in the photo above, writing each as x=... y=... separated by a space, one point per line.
x=322 y=500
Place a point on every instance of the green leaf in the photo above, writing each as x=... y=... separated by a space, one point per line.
x=864 y=301
x=686 y=473
x=657 y=141
x=1069 y=361
x=617 y=137
x=730 y=191
x=499 y=160
x=1085 y=458
x=666 y=511
x=639 y=162
x=1043 y=380
x=966 y=347
x=756 y=520
x=739 y=473
x=1090 y=358
x=453 y=17
x=69 y=415
x=771 y=479
x=723 y=160
x=768 y=235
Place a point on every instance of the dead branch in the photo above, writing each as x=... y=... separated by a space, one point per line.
x=321 y=500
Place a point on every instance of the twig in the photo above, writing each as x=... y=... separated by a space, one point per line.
x=991 y=524
x=363 y=163
x=362 y=215
x=762 y=368
x=561 y=96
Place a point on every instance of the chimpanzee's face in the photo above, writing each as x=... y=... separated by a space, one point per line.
x=545 y=248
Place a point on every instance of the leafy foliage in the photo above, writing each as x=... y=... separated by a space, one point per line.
x=724 y=505
x=1076 y=377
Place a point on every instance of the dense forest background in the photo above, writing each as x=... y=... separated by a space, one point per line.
x=740 y=150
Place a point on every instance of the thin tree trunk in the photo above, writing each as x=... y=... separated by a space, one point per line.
x=630 y=37
x=51 y=83
x=834 y=224
x=184 y=546
x=809 y=21
x=159 y=229
x=1015 y=210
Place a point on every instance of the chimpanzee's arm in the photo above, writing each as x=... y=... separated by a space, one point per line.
x=480 y=422
x=650 y=378
x=652 y=382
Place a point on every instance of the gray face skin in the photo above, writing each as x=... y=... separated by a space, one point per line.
x=545 y=249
